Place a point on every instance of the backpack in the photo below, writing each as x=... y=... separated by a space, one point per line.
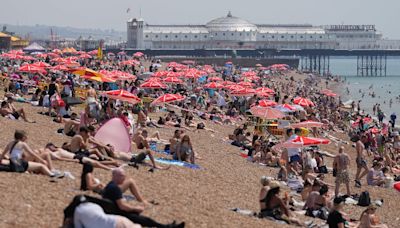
x=364 y=199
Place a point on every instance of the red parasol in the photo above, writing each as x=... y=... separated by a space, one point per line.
x=266 y=112
x=41 y=64
x=213 y=85
x=302 y=141
x=123 y=95
x=32 y=69
x=172 y=80
x=168 y=98
x=267 y=103
x=153 y=84
x=307 y=124
x=265 y=90
x=215 y=79
x=246 y=84
x=303 y=102
x=245 y=92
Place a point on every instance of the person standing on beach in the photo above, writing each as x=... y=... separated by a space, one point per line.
x=393 y=118
x=360 y=160
x=340 y=164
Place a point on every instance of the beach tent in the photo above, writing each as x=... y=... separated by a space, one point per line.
x=115 y=133
x=34 y=47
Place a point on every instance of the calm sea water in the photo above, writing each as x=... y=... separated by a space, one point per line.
x=385 y=88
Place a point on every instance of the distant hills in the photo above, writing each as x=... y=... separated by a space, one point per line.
x=43 y=32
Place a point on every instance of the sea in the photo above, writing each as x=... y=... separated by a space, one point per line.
x=386 y=88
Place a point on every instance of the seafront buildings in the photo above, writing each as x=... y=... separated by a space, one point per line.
x=232 y=32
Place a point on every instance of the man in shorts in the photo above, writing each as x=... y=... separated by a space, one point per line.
x=340 y=167
x=361 y=161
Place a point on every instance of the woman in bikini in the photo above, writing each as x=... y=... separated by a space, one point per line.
x=272 y=205
x=185 y=150
x=18 y=164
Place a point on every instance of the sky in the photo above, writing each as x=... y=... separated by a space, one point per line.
x=112 y=14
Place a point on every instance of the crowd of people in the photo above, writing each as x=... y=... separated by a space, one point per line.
x=301 y=169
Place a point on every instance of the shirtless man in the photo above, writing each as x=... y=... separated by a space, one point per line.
x=80 y=146
x=71 y=126
x=340 y=164
x=7 y=108
x=91 y=95
x=360 y=160
x=63 y=155
x=142 y=143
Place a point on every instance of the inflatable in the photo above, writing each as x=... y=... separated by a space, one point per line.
x=397 y=186
x=115 y=133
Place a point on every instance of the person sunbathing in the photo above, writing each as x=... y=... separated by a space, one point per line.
x=369 y=219
x=185 y=150
x=141 y=140
x=80 y=145
x=60 y=154
x=317 y=203
x=273 y=206
x=88 y=181
x=17 y=163
x=7 y=109
x=71 y=126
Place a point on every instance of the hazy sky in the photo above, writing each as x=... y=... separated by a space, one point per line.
x=109 y=14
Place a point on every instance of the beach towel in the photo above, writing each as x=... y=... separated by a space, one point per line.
x=167 y=161
x=115 y=133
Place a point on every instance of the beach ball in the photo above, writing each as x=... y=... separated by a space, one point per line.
x=397 y=186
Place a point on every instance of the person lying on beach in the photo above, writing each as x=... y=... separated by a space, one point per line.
x=114 y=190
x=272 y=205
x=7 y=109
x=91 y=215
x=88 y=181
x=80 y=146
x=60 y=154
x=142 y=142
x=17 y=163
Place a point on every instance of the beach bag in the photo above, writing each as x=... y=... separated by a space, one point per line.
x=364 y=199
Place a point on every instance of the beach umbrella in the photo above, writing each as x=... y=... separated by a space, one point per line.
x=121 y=53
x=265 y=90
x=87 y=72
x=307 y=124
x=168 y=98
x=267 y=103
x=286 y=108
x=17 y=52
x=249 y=74
x=228 y=83
x=266 y=112
x=159 y=74
x=213 y=85
x=60 y=68
x=85 y=56
x=153 y=84
x=258 y=65
x=41 y=64
x=302 y=141
x=120 y=75
x=234 y=87
x=138 y=54
x=32 y=69
x=245 y=92
x=43 y=55
x=192 y=74
x=171 y=74
x=215 y=79
x=261 y=94
x=93 y=52
x=58 y=60
x=303 y=102
x=123 y=95
x=246 y=84
x=172 y=80
x=28 y=58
